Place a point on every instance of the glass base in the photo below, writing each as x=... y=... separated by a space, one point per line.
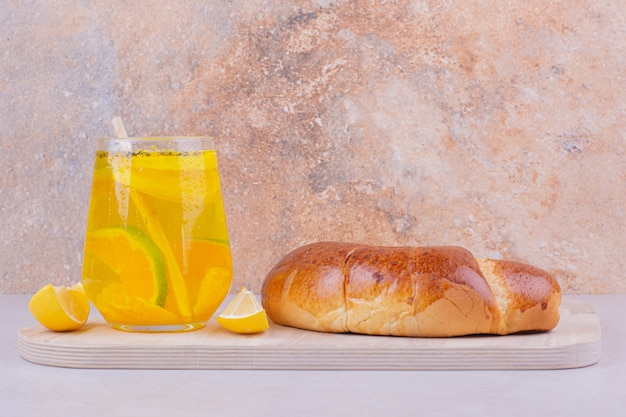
x=166 y=328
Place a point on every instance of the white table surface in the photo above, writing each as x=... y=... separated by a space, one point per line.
x=28 y=389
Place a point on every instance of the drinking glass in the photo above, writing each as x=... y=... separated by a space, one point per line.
x=156 y=254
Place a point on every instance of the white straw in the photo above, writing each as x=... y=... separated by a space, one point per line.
x=118 y=125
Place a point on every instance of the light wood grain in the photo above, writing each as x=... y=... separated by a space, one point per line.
x=574 y=343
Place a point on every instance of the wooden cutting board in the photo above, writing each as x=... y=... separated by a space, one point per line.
x=574 y=343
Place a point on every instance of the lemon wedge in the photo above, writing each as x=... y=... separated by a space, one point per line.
x=244 y=314
x=60 y=308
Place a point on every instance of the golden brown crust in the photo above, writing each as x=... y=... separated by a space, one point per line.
x=407 y=291
x=306 y=288
x=531 y=296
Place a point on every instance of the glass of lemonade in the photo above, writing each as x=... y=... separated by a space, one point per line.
x=157 y=255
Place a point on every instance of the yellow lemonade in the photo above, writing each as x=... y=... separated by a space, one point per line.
x=156 y=255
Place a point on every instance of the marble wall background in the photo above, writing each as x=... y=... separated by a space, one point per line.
x=495 y=125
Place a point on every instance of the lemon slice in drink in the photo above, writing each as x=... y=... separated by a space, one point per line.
x=129 y=257
x=118 y=307
x=244 y=314
x=60 y=308
x=159 y=174
x=207 y=266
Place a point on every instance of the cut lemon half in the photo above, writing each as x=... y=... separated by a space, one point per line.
x=244 y=314
x=60 y=308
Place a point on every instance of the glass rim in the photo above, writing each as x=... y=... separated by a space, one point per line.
x=156 y=138
x=139 y=142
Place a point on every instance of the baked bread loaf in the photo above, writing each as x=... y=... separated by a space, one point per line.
x=408 y=291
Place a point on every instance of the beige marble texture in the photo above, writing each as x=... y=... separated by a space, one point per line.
x=495 y=125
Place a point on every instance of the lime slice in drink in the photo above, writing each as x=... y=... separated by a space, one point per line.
x=127 y=256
